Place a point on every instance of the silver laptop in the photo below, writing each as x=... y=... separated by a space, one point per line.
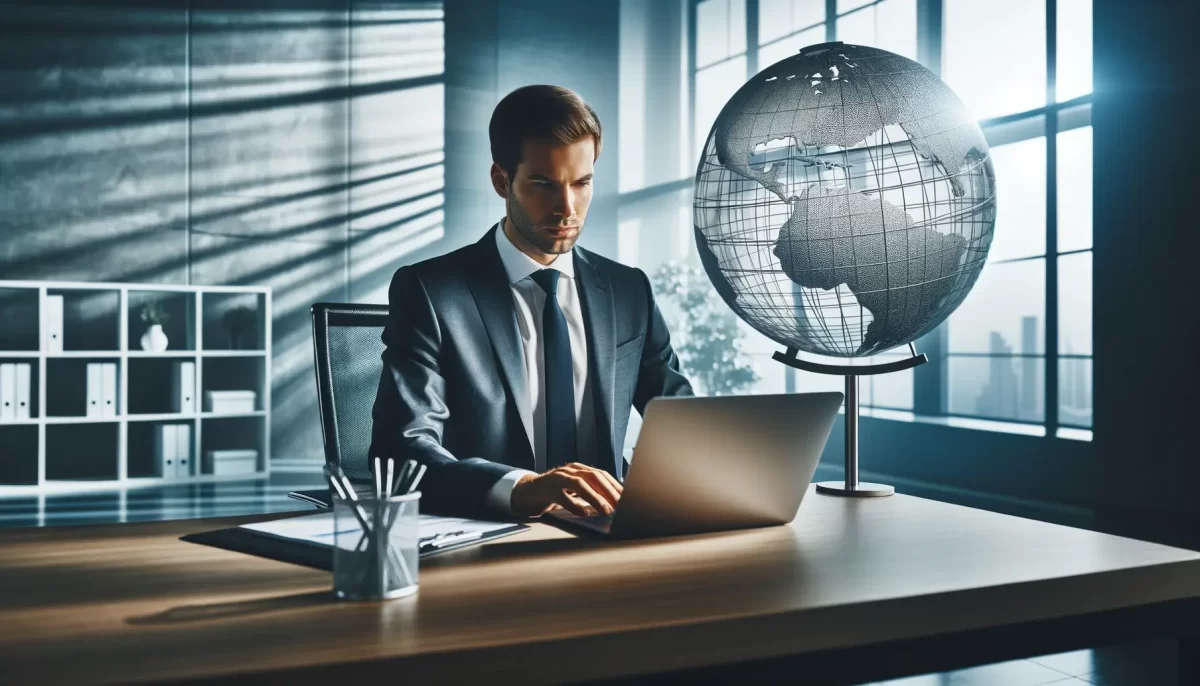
x=711 y=464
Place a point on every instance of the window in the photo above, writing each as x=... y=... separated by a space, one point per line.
x=789 y=45
x=890 y=25
x=994 y=54
x=1073 y=43
x=720 y=31
x=786 y=26
x=1024 y=335
x=720 y=59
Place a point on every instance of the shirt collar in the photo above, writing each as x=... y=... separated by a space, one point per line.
x=518 y=265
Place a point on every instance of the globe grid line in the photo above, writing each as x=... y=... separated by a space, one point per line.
x=936 y=219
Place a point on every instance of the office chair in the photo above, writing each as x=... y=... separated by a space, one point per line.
x=347 y=343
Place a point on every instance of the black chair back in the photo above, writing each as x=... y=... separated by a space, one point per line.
x=347 y=341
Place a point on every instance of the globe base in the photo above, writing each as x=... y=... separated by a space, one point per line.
x=859 y=490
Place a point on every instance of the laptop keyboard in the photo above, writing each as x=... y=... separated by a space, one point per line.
x=598 y=523
x=597 y=518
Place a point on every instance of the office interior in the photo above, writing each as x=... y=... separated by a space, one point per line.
x=262 y=156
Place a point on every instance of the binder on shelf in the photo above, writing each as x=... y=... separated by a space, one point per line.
x=166 y=443
x=229 y=402
x=94 y=390
x=232 y=462
x=183 y=387
x=55 y=393
x=183 y=450
x=53 y=328
x=8 y=392
x=23 y=400
x=108 y=389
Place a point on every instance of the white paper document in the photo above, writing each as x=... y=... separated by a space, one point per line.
x=318 y=528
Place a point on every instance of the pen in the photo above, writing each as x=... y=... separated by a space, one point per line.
x=352 y=496
x=452 y=540
x=446 y=534
x=402 y=479
x=416 y=479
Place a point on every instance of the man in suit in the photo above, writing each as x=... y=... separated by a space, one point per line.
x=511 y=365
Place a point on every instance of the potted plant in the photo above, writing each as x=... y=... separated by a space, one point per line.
x=240 y=323
x=704 y=331
x=154 y=315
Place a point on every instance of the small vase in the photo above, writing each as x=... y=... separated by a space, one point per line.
x=154 y=340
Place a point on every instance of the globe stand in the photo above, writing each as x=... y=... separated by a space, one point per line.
x=851 y=487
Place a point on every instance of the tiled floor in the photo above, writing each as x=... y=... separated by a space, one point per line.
x=1151 y=663
x=1143 y=664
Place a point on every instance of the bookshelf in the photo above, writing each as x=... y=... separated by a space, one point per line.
x=223 y=332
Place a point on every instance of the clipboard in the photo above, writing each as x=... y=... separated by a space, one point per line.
x=276 y=540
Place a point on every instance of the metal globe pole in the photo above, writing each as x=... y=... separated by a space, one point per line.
x=851 y=487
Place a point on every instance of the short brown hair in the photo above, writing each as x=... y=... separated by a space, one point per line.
x=551 y=113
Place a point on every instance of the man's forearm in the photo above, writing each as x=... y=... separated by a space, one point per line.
x=464 y=486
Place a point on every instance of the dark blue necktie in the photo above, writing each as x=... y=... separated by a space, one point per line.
x=559 y=375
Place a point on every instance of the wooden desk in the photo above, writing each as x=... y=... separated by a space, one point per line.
x=852 y=591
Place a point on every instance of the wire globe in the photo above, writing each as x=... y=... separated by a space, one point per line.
x=845 y=201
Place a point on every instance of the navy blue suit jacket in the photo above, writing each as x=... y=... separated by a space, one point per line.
x=453 y=393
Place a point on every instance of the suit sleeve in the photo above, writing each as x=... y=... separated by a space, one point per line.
x=410 y=409
x=659 y=374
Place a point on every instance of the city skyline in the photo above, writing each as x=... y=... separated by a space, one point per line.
x=1013 y=389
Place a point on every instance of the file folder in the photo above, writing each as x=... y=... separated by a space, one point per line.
x=183 y=450
x=53 y=328
x=108 y=386
x=165 y=445
x=23 y=399
x=8 y=392
x=94 y=389
x=183 y=387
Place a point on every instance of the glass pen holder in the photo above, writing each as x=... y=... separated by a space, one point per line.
x=376 y=544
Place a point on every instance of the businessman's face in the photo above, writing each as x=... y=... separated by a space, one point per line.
x=548 y=199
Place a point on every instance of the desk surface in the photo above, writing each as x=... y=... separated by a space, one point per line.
x=132 y=602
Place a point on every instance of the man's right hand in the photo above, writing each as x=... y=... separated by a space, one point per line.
x=578 y=488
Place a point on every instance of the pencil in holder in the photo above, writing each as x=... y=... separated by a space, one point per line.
x=376 y=546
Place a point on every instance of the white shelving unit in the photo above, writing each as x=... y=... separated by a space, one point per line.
x=60 y=449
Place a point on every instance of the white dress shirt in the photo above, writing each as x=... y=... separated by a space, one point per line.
x=529 y=300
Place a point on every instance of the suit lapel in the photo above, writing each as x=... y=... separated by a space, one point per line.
x=599 y=320
x=493 y=297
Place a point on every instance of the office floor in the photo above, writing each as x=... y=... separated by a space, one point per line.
x=1143 y=664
